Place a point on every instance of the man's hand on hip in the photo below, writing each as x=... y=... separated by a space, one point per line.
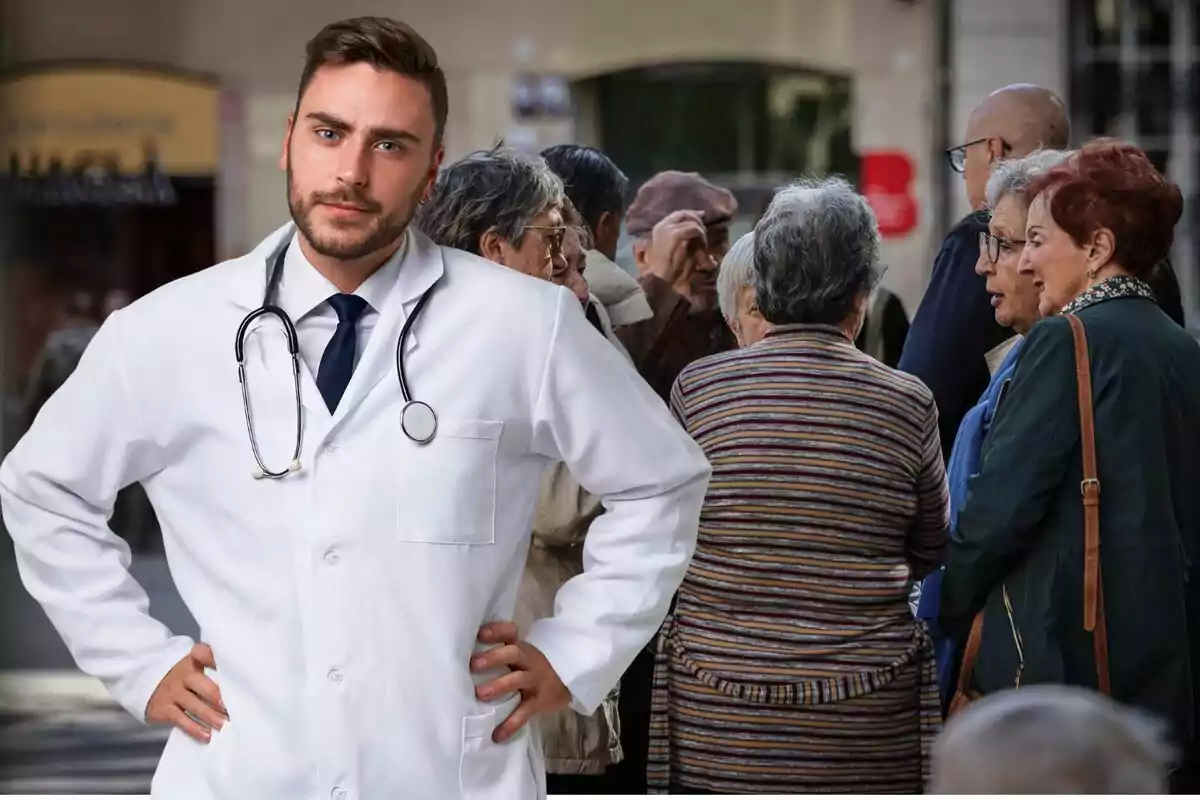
x=189 y=699
x=542 y=692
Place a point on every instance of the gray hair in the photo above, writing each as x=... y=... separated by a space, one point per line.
x=1050 y=740
x=1013 y=177
x=816 y=251
x=736 y=273
x=500 y=188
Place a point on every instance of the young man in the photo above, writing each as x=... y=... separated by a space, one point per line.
x=341 y=590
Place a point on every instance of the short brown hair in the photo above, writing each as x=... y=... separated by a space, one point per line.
x=1112 y=184
x=385 y=44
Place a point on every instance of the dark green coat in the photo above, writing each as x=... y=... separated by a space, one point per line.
x=1022 y=523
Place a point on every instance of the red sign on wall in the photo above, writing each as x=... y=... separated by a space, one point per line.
x=887 y=178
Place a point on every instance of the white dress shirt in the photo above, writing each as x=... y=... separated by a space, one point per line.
x=304 y=292
x=342 y=603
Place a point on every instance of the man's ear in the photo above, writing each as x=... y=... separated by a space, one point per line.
x=433 y=172
x=287 y=142
x=641 y=247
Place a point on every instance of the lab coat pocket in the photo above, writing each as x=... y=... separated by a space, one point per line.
x=447 y=492
x=491 y=771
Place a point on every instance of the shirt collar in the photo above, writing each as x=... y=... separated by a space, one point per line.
x=303 y=289
x=1110 y=289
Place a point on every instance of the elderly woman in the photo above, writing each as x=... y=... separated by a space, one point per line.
x=736 y=295
x=1015 y=300
x=1097 y=225
x=510 y=208
x=792 y=662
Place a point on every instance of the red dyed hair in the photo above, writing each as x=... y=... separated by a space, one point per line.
x=1113 y=185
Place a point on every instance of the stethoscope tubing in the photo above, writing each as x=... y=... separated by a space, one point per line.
x=268 y=308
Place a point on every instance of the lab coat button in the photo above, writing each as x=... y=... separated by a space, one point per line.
x=332 y=557
x=338 y=793
x=330 y=448
x=335 y=676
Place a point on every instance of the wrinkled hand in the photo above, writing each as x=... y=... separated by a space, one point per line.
x=675 y=243
x=187 y=690
x=542 y=692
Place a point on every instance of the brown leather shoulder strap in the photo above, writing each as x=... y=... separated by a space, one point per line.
x=1093 y=590
x=970 y=653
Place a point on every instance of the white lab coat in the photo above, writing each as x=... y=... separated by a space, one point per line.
x=342 y=603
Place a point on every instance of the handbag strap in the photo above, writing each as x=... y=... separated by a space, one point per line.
x=1093 y=590
x=970 y=653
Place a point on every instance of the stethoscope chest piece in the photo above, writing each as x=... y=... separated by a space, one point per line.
x=418 y=421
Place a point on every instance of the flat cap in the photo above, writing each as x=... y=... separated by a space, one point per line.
x=677 y=191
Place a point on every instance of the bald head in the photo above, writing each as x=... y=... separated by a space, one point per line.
x=1025 y=116
x=1011 y=123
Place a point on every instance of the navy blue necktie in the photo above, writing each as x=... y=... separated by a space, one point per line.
x=337 y=364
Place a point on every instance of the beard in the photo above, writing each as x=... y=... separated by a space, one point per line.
x=350 y=241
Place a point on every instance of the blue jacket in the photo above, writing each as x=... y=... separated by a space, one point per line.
x=964 y=463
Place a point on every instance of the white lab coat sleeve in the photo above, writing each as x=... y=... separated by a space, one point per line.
x=596 y=414
x=57 y=490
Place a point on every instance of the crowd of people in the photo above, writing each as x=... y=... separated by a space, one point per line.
x=903 y=530
x=848 y=493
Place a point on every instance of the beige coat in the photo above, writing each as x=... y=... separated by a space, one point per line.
x=573 y=744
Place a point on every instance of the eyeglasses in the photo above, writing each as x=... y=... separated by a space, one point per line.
x=554 y=235
x=958 y=155
x=994 y=245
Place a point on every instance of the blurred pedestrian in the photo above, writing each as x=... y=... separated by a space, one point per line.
x=680 y=228
x=679 y=223
x=885 y=327
x=61 y=352
x=791 y=662
x=1047 y=740
x=597 y=188
x=1022 y=578
x=954 y=327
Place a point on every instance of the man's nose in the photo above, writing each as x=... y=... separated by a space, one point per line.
x=353 y=165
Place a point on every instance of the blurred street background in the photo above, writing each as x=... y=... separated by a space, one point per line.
x=140 y=140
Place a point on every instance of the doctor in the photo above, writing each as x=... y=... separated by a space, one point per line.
x=341 y=585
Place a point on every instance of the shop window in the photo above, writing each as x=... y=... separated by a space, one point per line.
x=1134 y=75
x=737 y=124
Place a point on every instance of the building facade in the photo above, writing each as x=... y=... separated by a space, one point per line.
x=752 y=95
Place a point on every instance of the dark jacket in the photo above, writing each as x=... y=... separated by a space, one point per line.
x=1022 y=525
x=954 y=328
x=673 y=338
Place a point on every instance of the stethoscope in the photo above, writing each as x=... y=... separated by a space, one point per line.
x=417 y=418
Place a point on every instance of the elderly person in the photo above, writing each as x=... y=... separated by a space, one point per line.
x=679 y=223
x=1097 y=225
x=510 y=208
x=792 y=633
x=1051 y=740
x=597 y=188
x=736 y=294
x=1015 y=304
x=954 y=327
